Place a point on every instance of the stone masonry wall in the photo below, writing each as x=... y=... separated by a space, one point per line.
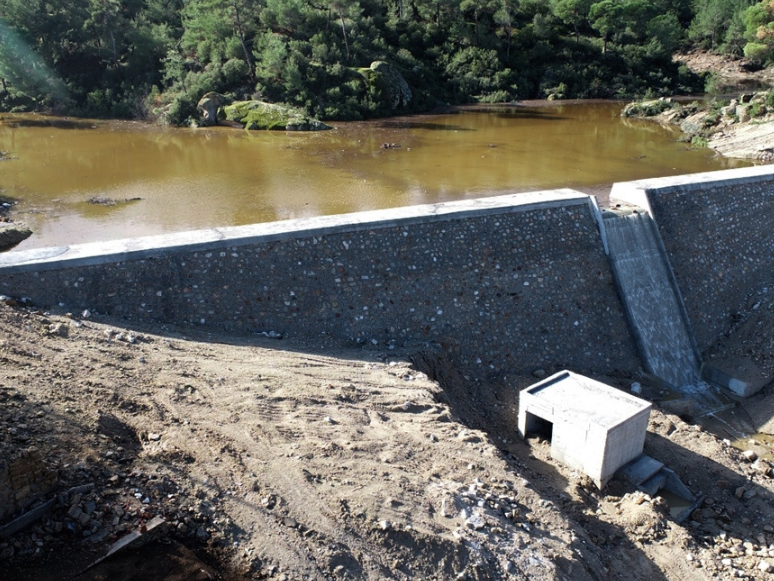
x=718 y=232
x=24 y=478
x=514 y=286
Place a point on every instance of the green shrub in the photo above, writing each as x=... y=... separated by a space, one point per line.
x=500 y=96
x=756 y=51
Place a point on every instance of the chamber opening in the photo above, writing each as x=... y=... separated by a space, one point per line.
x=538 y=427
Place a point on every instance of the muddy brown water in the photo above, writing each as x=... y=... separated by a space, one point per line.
x=189 y=179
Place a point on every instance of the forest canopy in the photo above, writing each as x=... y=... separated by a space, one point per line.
x=154 y=59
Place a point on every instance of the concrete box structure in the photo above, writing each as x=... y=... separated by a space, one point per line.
x=593 y=427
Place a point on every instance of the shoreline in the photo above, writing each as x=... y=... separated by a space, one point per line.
x=740 y=128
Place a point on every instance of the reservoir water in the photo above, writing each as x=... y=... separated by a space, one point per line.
x=182 y=179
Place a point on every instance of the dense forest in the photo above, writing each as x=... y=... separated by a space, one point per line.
x=154 y=59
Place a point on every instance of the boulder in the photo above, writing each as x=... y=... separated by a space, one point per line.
x=394 y=87
x=694 y=124
x=262 y=115
x=647 y=108
x=12 y=233
x=208 y=107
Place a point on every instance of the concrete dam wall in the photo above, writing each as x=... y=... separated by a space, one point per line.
x=514 y=282
x=509 y=283
x=718 y=232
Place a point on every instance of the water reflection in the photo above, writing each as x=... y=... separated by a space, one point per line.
x=404 y=124
x=518 y=112
x=189 y=179
x=58 y=122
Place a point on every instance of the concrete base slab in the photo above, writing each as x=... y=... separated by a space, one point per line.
x=741 y=377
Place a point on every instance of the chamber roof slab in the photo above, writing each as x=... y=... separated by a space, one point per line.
x=584 y=399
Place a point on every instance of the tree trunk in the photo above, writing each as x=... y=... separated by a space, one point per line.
x=115 y=49
x=241 y=34
x=475 y=18
x=344 y=32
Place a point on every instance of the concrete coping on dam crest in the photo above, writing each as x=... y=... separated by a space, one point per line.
x=93 y=253
x=635 y=193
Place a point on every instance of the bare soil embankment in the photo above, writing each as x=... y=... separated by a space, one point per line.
x=274 y=460
x=735 y=74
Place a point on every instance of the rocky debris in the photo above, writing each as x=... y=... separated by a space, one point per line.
x=122 y=505
x=763 y=467
x=740 y=128
x=643 y=516
x=123 y=336
x=58 y=329
x=736 y=556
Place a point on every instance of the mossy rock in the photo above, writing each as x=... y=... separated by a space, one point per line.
x=261 y=115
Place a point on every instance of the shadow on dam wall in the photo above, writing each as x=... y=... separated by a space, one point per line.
x=509 y=283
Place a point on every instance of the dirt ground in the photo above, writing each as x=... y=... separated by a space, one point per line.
x=730 y=74
x=273 y=460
